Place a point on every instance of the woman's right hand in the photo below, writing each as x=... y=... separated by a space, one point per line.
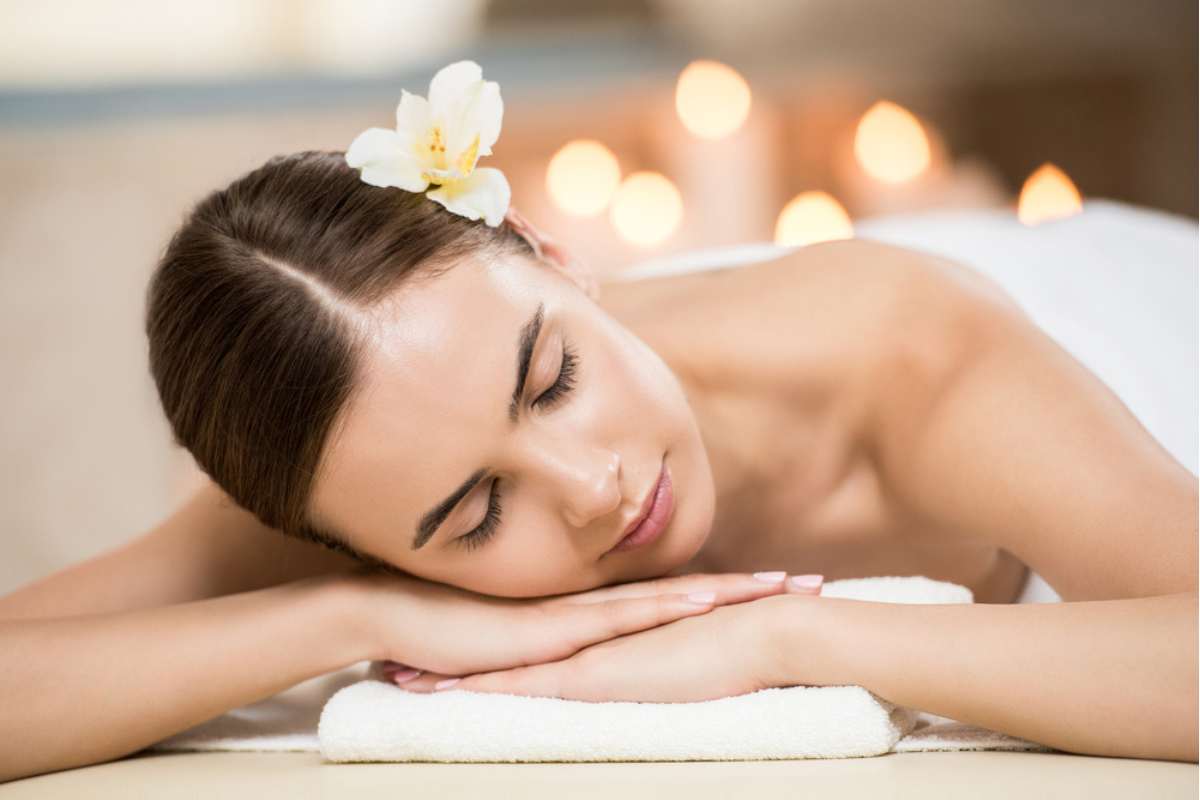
x=439 y=628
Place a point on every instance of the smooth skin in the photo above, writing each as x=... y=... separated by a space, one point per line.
x=863 y=409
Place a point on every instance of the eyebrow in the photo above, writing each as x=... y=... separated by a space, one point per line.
x=428 y=524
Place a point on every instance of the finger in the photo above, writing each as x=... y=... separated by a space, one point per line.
x=587 y=624
x=538 y=680
x=805 y=584
x=425 y=682
x=733 y=587
x=402 y=675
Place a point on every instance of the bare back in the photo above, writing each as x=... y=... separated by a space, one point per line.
x=784 y=344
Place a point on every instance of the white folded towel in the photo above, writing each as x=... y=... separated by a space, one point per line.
x=375 y=721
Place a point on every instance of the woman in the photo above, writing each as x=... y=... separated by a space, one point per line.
x=339 y=358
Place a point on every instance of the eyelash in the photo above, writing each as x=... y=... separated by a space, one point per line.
x=548 y=399
x=565 y=382
x=491 y=520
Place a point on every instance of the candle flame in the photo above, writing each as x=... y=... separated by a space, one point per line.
x=812 y=217
x=890 y=143
x=1048 y=194
x=582 y=177
x=712 y=99
x=647 y=208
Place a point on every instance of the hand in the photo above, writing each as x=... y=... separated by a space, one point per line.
x=728 y=651
x=450 y=631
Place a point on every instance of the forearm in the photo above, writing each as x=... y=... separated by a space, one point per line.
x=1111 y=677
x=85 y=689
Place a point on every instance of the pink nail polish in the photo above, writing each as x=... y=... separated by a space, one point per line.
x=405 y=675
x=446 y=683
x=806 y=581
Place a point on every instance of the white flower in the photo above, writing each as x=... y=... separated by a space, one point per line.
x=437 y=141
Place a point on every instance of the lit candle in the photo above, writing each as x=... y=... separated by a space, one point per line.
x=729 y=185
x=1048 y=194
x=811 y=217
x=894 y=163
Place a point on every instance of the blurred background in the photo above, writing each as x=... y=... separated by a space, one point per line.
x=633 y=129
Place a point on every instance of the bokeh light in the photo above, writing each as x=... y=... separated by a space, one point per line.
x=646 y=209
x=1048 y=194
x=582 y=177
x=812 y=217
x=890 y=143
x=712 y=99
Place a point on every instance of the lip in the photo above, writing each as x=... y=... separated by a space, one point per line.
x=653 y=517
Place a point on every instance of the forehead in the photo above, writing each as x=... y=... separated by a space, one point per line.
x=436 y=374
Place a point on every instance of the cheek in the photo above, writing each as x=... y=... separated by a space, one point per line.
x=632 y=377
x=505 y=577
x=532 y=558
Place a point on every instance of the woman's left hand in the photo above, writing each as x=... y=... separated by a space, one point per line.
x=728 y=651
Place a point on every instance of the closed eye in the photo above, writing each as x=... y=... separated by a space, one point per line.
x=566 y=380
x=548 y=399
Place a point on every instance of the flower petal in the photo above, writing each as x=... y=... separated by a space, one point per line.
x=474 y=126
x=402 y=172
x=489 y=113
x=450 y=82
x=484 y=193
x=382 y=159
x=373 y=144
x=469 y=112
x=413 y=121
x=435 y=175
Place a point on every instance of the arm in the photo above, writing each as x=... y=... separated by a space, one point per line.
x=986 y=428
x=208 y=547
x=991 y=430
x=85 y=689
x=1099 y=677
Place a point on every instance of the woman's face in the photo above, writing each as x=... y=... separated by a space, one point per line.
x=568 y=470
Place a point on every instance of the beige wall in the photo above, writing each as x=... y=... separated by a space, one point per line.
x=87 y=458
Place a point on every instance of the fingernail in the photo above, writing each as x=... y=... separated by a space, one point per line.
x=446 y=683
x=702 y=597
x=806 y=581
x=405 y=675
x=770 y=577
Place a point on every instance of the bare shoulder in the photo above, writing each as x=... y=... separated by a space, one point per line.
x=887 y=311
x=885 y=281
x=849 y=306
x=891 y=327
x=872 y=317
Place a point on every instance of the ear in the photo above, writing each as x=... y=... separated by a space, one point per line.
x=554 y=254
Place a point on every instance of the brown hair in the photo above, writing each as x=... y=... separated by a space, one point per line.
x=256 y=316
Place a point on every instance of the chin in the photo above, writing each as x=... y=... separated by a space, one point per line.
x=687 y=547
x=692 y=528
x=679 y=544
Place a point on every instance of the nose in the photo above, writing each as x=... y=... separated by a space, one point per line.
x=585 y=480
